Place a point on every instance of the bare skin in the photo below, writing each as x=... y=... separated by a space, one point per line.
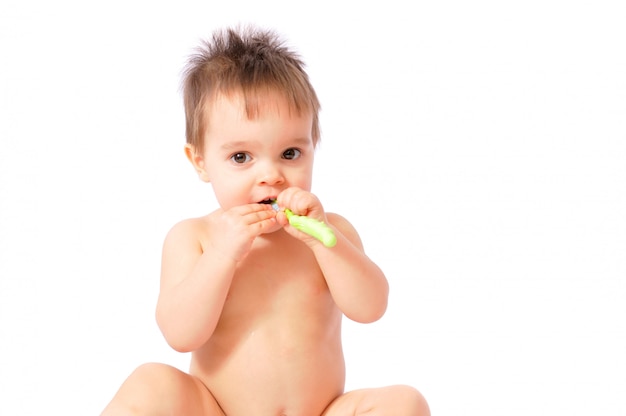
x=257 y=302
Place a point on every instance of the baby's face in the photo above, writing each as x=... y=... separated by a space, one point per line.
x=253 y=160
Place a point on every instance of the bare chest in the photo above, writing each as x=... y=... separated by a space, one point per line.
x=278 y=337
x=278 y=280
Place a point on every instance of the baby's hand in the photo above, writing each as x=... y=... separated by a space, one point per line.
x=233 y=231
x=301 y=203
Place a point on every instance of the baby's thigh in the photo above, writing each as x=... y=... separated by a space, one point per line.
x=159 y=389
x=396 y=400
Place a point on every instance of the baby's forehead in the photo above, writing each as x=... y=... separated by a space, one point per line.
x=254 y=104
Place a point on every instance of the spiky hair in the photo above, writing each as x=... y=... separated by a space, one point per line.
x=249 y=61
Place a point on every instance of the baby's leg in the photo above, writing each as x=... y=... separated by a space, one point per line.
x=385 y=401
x=158 y=389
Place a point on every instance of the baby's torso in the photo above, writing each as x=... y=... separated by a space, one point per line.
x=277 y=347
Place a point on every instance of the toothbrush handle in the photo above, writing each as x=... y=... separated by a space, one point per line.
x=312 y=227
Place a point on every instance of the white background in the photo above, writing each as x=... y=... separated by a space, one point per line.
x=479 y=147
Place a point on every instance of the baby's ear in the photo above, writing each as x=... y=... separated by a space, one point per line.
x=197 y=160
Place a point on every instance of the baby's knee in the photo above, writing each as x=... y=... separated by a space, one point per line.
x=151 y=372
x=157 y=380
x=413 y=402
x=142 y=390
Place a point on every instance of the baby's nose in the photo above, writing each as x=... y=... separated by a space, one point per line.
x=270 y=174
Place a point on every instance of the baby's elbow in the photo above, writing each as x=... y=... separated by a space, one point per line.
x=376 y=307
x=177 y=338
x=369 y=313
x=179 y=343
x=181 y=347
x=378 y=312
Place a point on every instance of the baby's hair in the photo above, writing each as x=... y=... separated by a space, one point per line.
x=249 y=61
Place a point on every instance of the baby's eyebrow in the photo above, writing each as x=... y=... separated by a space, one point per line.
x=248 y=144
x=302 y=141
x=238 y=144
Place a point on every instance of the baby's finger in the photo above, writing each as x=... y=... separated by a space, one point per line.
x=260 y=215
x=243 y=210
x=261 y=221
x=297 y=200
x=246 y=215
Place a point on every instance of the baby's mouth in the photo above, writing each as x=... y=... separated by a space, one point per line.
x=272 y=202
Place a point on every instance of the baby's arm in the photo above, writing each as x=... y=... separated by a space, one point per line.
x=356 y=283
x=199 y=260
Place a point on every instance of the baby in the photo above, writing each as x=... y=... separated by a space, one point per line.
x=258 y=302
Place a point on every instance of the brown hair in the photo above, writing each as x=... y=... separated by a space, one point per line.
x=249 y=61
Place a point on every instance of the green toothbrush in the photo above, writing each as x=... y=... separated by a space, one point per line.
x=310 y=226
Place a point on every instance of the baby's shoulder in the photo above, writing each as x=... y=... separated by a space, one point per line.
x=188 y=226
x=188 y=231
x=337 y=220
x=346 y=228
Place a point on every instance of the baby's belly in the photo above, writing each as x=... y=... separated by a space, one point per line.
x=268 y=373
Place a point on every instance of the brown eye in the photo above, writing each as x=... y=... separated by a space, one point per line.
x=291 y=154
x=240 y=158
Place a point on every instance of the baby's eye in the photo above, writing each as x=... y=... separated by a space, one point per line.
x=291 y=154
x=240 y=158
